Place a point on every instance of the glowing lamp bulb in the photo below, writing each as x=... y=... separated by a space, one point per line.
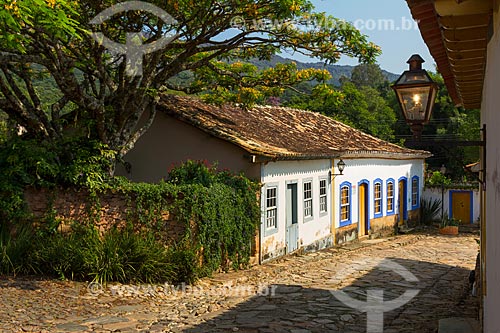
x=416 y=99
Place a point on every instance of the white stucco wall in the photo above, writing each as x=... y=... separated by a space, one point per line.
x=490 y=113
x=357 y=170
x=280 y=174
x=434 y=193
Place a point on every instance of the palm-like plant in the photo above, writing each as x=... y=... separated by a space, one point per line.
x=429 y=209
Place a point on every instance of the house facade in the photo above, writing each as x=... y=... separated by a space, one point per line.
x=464 y=40
x=375 y=196
x=305 y=203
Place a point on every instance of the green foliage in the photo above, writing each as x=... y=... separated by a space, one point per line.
x=450 y=222
x=220 y=212
x=56 y=19
x=118 y=255
x=37 y=36
x=438 y=179
x=219 y=209
x=227 y=210
x=368 y=75
x=360 y=103
x=429 y=210
x=126 y=256
x=31 y=162
x=15 y=251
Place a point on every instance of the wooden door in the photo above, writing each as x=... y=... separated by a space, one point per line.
x=461 y=206
x=401 y=202
x=292 y=222
x=363 y=209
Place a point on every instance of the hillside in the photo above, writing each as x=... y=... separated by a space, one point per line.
x=337 y=71
x=51 y=93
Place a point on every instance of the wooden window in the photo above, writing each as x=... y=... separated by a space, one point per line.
x=271 y=208
x=345 y=204
x=377 y=197
x=390 y=196
x=414 y=192
x=323 y=203
x=308 y=202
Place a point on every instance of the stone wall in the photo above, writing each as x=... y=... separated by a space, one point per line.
x=115 y=209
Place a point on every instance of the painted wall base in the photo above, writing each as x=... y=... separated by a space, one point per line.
x=346 y=234
x=383 y=226
x=318 y=245
x=273 y=255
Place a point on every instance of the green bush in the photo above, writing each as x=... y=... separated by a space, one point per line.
x=15 y=251
x=186 y=261
x=83 y=254
x=126 y=256
x=219 y=209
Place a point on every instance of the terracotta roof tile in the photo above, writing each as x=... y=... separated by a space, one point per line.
x=282 y=133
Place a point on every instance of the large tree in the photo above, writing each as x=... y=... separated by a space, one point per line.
x=209 y=39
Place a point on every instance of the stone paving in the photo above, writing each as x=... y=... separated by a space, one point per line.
x=293 y=294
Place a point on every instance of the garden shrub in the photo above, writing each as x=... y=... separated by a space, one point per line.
x=219 y=209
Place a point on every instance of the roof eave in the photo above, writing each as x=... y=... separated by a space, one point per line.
x=456 y=33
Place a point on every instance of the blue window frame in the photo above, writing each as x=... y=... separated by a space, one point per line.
x=378 y=207
x=415 y=193
x=389 y=190
x=345 y=211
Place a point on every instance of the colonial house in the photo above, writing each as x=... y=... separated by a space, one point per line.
x=464 y=40
x=294 y=154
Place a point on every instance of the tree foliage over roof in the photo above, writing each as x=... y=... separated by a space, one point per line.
x=212 y=39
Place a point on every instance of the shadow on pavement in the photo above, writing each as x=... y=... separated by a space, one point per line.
x=443 y=291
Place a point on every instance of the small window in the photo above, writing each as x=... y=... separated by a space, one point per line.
x=377 y=197
x=308 y=209
x=345 y=208
x=414 y=192
x=390 y=196
x=271 y=208
x=323 y=206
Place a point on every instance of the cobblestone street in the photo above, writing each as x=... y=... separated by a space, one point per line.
x=293 y=294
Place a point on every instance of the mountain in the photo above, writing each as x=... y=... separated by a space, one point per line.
x=337 y=71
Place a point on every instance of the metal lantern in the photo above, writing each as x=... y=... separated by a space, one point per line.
x=416 y=92
x=341 y=166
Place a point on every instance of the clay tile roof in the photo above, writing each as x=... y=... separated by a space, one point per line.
x=282 y=133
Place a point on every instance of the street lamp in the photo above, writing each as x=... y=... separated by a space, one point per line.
x=416 y=93
x=341 y=166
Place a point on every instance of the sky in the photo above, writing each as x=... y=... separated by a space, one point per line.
x=397 y=43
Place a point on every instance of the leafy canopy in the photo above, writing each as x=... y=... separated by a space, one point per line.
x=213 y=40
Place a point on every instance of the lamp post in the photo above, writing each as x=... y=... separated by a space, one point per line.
x=416 y=92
